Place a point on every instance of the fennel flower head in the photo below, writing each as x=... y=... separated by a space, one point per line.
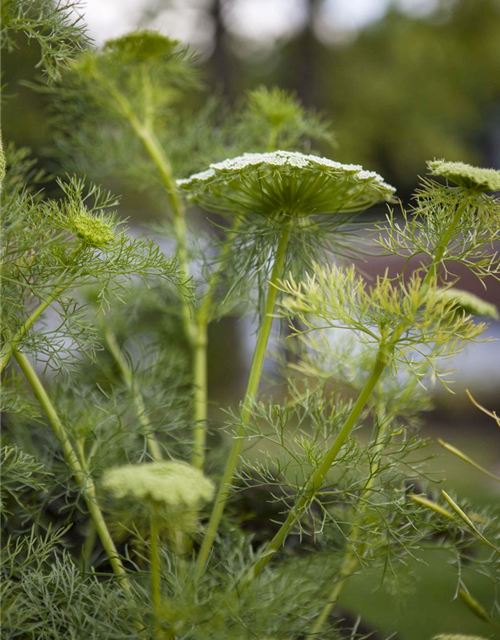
x=466 y=176
x=174 y=489
x=93 y=230
x=286 y=182
x=468 y=303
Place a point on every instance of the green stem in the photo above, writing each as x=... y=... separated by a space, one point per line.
x=126 y=372
x=318 y=477
x=440 y=251
x=155 y=574
x=8 y=349
x=348 y=567
x=351 y=559
x=250 y=395
x=82 y=478
x=200 y=399
x=154 y=149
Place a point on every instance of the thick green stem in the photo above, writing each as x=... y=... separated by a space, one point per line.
x=200 y=400
x=250 y=395
x=154 y=554
x=200 y=356
x=82 y=478
x=128 y=378
x=318 y=477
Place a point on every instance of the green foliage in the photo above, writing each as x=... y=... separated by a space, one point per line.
x=52 y=25
x=123 y=479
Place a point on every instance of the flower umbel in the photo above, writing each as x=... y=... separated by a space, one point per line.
x=466 y=175
x=94 y=230
x=286 y=182
x=173 y=484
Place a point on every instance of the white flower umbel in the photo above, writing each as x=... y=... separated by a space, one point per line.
x=466 y=175
x=286 y=182
x=173 y=490
x=172 y=484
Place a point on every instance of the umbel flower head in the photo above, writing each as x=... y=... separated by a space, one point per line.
x=93 y=230
x=468 y=303
x=286 y=183
x=172 y=483
x=173 y=490
x=465 y=175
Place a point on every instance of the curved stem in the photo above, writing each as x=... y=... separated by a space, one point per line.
x=250 y=394
x=351 y=559
x=318 y=477
x=127 y=375
x=81 y=476
x=8 y=349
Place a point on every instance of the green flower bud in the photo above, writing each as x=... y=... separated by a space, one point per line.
x=174 y=491
x=465 y=175
x=94 y=231
x=142 y=46
x=468 y=303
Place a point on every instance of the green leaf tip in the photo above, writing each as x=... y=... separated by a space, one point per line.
x=466 y=175
x=142 y=46
x=468 y=303
x=286 y=182
x=169 y=484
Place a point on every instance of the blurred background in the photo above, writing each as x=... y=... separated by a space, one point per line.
x=402 y=81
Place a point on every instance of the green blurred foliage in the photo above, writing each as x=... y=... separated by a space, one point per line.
x=408 y=89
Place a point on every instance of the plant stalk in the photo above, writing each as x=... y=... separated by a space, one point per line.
x=155 y=574
x=84 y=480
x=351 y=559
x=8 y=349
x=433 y=270
x=250 y=395
x=128 y=378
x=203 y=317
x=318 y=477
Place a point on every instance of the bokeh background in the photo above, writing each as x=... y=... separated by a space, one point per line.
x=402 y=81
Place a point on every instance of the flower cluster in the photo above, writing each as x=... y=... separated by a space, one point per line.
x=172 y=492
x=467 y=176
x=172 y=483
x=286 y=182
x=93 y=231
